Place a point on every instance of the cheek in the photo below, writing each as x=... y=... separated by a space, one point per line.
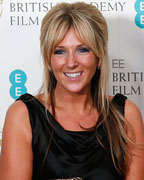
x=90 y=63
x=57 y=64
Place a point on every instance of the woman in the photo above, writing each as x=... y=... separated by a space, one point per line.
x=73 y=130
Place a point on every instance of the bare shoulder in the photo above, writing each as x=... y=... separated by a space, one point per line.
x=135 y=165
x=132 y=113
x=17 y=108
x=17 y=123
x=17 y=116
x=16 y=152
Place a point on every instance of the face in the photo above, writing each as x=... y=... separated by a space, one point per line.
x=73 y=64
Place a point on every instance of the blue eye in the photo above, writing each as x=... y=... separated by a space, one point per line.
x=83 y=50
x=59 y=51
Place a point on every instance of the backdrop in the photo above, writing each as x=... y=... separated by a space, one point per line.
x=20 y=60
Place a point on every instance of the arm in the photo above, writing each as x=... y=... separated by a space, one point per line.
x=16 y=153
x=135 y=165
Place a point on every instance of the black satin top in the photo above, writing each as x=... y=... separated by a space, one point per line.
x=71 y=154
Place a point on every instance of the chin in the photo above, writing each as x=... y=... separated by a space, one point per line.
x=76 y=90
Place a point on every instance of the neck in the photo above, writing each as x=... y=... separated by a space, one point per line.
x=74 y=102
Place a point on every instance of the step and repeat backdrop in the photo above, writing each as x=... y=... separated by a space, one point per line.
x=21 y=68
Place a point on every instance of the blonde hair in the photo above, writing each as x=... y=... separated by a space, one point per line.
x=91 y=28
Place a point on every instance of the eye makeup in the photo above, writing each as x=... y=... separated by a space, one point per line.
x=79 y=50
x=82 y=50
x=59 y=51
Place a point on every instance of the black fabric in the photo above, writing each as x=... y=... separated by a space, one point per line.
x=119 y=102
x=71 y=153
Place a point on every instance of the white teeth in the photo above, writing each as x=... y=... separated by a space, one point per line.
x=73 y=75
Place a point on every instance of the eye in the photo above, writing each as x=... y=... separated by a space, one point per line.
x=59 y=51
x=83 y=50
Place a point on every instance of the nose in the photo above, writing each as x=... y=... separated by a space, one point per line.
x=72 y=61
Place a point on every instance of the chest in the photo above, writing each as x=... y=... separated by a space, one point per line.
x=77 y=154
x=76 y=121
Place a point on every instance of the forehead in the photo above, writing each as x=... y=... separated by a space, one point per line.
x=70 y=39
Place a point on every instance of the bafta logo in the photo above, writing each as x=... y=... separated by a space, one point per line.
x=1 y=3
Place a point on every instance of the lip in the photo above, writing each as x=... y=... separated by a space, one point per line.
x=75 y=75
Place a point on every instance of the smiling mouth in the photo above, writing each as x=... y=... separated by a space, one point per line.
x=73 y=75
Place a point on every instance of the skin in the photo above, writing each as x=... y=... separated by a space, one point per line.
x=135 y=165
x=71 y=95
x=72 y=56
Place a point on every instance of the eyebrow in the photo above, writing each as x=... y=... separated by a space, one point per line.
x=59 y=47
x=64 y=46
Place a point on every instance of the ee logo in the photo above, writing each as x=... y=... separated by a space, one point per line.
x=139 y=19
x=18 y=79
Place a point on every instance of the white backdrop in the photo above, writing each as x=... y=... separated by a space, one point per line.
x=20 y=59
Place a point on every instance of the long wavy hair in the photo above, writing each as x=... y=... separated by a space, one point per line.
x=91 y=28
